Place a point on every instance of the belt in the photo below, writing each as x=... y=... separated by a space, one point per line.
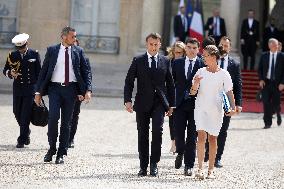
x=63 y=84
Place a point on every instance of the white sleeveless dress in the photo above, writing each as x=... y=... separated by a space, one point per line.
x=208 y=113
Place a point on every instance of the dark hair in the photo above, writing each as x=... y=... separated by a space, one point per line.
x=66 y=30
x=192 y=41
x=154 y=36
x=213 y=51
x=208 y=41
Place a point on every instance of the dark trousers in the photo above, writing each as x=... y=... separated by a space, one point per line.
x=60 y=97
x=74 y=120
x=271 y=101
x=248 y=50
x=221 y=140
x=143 y=120
x=22 y=108
x=171 y=125
x=184 y=121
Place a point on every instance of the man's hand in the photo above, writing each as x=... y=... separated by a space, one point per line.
x=281 y=87
x=261 y=84
x=80 y=97
x=169 y=112
x=15 y=74
x=37 y=99
x=242 y=41
x=232 y=112
x=128 y=107
x=88 y=96
x=238 y=109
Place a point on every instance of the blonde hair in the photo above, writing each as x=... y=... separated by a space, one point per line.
x=171 y=49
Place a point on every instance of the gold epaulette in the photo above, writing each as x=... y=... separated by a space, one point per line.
x=13 y=65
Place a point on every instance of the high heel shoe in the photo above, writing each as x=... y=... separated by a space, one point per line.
x=211 y=174
x=199 y=175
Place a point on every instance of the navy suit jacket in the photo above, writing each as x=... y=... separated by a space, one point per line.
x=235 y=73
x=264 y=66
x=181 y=83
x=148 y=82
x=210 y=21
x=81 y=68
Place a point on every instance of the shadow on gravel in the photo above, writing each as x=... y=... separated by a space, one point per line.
x=128 y=156
x=129 y=177
x=250 y=129
x=11 y=147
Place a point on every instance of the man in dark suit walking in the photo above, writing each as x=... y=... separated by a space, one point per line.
x=270 y=32
x=64 y=75
x=216 y=26
x=183 y=71
x=23 y=65
x=228 y=63
x=181 y=25
x=249 y=39
x=271 y=76
x=155 y=96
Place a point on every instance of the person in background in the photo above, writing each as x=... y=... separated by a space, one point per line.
x=249 y=39
x=174 y=52
x=76 y=111
x=216 y=26
x=269 y=32
x=271 y=76
x=23 y=66
x=208 y=84
x=181 y=25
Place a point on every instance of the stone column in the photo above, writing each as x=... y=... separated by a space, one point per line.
x=230 y=11
x=152 y=19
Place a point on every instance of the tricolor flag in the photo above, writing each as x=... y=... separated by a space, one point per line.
x=196 y=25
x=189 y=11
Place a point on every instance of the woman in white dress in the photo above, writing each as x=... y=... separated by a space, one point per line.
x=209 y=83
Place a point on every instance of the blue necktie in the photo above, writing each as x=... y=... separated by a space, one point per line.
x=222 y=63
x=189 y=69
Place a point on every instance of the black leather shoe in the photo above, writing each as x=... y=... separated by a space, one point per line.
x=28 y=141
x=178 y=161
x=153 y=169
x=187 y=171
x=71 y=144
x=279 y=119
x=218 y=164
x=59 y=159
x=142 y=173
x=20 y=145
x=266 y=126
x=48 y=155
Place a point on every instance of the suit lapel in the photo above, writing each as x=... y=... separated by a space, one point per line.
x=73 y=52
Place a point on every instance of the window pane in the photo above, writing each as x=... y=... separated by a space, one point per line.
x=82 y=10
x=8 y=7
x=8 y=24
x=83 y=28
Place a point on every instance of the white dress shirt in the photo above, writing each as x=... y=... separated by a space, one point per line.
x=186 y=65
x=150 y=60
x=226 y=62
x=58 y=74
x=217 y=26
x=250 y=21
x=270 y=63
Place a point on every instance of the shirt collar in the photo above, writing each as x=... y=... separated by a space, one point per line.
x=271 y=53
x=149 y=56
x=63 y=47
x=193 y=59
